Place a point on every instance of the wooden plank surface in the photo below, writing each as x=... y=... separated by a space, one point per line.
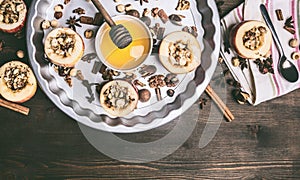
x=263 y=142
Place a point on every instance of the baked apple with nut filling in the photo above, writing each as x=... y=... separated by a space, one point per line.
x=180 y=52
x=17 y=82
x=251 y=39
x=118 y=98
x=64 y=47
x=12 y=15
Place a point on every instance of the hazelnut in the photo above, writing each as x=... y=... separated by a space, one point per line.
x=146 y=12
x=73 y=72
x=20 y=54
x=120 y=8
x=88 y=33
x=45 y=24
x=235 y=61
x=144 y=95
x=134 y=13
x=58 y=8
x=293 y=42
x=128 y=7
x=170 y=92
x=295 y=55
x=117 y=1
x=54 y=23
x=58 y=15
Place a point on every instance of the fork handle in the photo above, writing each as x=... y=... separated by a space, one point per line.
x=105 y=14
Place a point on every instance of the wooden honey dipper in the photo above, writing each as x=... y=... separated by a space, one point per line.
x=118 y=33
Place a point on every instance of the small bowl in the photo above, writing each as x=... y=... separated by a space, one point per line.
x=132 y=56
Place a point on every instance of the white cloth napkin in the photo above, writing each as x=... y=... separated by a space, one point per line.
x=263 y=87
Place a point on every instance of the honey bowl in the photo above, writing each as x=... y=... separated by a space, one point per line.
x=134 y=54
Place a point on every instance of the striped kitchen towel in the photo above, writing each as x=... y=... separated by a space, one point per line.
x=263 y=87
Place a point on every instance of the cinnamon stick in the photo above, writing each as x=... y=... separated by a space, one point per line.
x=14 y=107
x=225 y=110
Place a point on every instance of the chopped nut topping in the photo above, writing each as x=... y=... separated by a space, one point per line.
x=16 y=77
x=117 y=96
x=63 y=44
x=179 y=53
x=254 y=38
x=10 y=10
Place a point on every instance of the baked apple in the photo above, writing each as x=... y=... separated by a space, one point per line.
x=251 y=39
x=180 y=52
x=118 y=98
x=12 y=15
x=64 y=47
x=17 y=82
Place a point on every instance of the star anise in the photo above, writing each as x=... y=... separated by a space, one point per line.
x=289 y=22
x=73 y=22
x=265 y=65
x=202 y=102
x=219 y=4
x=243 y=63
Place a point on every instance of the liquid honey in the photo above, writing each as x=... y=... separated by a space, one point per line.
x=131 y=56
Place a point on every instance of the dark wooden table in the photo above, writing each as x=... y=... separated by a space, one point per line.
x=263 y=142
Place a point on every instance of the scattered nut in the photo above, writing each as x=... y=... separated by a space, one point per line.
x=294 y=42
x=73 y=72
x=66 y=2
x=128 y=7
x=146 y=12
x=235 y=61
x=157 y=81
x=54 y=23
x=170 y=92
x=295 y=55
x=147 y=70
x=45 y=24
x=175 y=19
x=144 y=95
x=79 y=11
x=88 y=33
x=171 y=80
x=133 y=12
x=117 y=1
x=120 y=8
x=58 y=15
x=58 y=8
x=154 y=12
x=20 y=54
x=183 y=5
x=163 y=15
x=138 y=83
x=279 y=14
